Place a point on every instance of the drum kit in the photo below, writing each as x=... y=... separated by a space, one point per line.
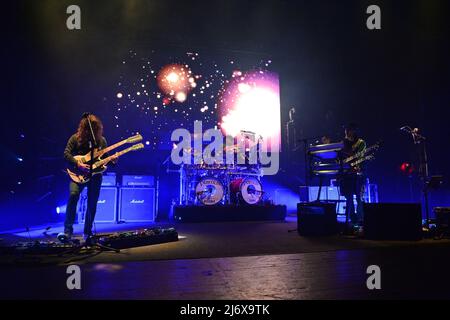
x=220 y=184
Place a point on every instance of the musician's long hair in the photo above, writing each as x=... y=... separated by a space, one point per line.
x=83 y=132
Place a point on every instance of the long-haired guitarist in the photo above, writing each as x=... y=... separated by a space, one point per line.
x=77 y=145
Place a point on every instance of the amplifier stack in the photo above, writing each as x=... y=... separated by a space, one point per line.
x=135 y=200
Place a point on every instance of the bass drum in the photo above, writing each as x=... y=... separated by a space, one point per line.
x=209 y=191
x=248 y=189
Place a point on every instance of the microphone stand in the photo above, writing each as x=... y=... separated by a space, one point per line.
x=308 y=174
x=93 y=144
x=419 y=140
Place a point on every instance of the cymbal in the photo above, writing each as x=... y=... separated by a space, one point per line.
x=192 y=151
x=233 y=147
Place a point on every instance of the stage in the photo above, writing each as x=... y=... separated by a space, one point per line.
x=231 y=260
x=225 y=213
x=328 y=275
x=208 y=240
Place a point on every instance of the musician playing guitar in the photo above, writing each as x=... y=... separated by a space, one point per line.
x=352 y=181
x=78 y=144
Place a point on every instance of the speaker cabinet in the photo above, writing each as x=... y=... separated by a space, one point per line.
x=392 y=221
x=137 y=204
x=316 y=219
x=106 y=205
x=109 y=180
x=138 y=181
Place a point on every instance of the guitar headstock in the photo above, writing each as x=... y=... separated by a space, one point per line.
x=378 y=144
x=375 y=147
x=134 y=139
x=137 y=147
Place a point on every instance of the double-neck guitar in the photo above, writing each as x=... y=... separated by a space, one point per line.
x=98 y=163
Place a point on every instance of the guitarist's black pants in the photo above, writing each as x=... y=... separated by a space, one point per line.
x=93 y=193
x=352 y=184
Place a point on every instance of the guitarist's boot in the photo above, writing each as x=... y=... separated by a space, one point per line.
x=89 y=240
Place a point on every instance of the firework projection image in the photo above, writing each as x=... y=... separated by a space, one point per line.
x=162 y=93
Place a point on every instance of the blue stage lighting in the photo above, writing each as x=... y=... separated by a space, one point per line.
x=61 y=209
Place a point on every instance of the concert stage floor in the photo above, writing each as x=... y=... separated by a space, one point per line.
x=212 y=240
x=229 y=213
x=235 y=260
x=407 y=273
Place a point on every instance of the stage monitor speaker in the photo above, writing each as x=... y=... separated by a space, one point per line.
x=316 y=219
x=392 y=221
x=137 y=204
x=442 y=221
x=106 y=205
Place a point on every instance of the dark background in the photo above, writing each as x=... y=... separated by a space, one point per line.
x=332 y=69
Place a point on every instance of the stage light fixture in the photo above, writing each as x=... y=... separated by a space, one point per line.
x=61 y=209
x=407 y=168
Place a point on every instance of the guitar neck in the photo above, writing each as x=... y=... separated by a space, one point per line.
x=361 y=160
x=112 y=147
x=360 y=154
x=108 y=159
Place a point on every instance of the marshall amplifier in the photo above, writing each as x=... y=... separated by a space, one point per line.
x=137 y=204
x=138 y=181
x=109 y=180
x=106 y=205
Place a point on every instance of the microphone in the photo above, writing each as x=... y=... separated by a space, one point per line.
x=416 y=134
x=291 y=114
x=406 y=128
x=86 y=114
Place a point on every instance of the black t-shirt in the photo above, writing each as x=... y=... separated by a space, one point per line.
x=352 y=147
x=74 y=149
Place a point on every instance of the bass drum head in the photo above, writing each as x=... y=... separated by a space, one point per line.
x=251 y=190
x=209 y=191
